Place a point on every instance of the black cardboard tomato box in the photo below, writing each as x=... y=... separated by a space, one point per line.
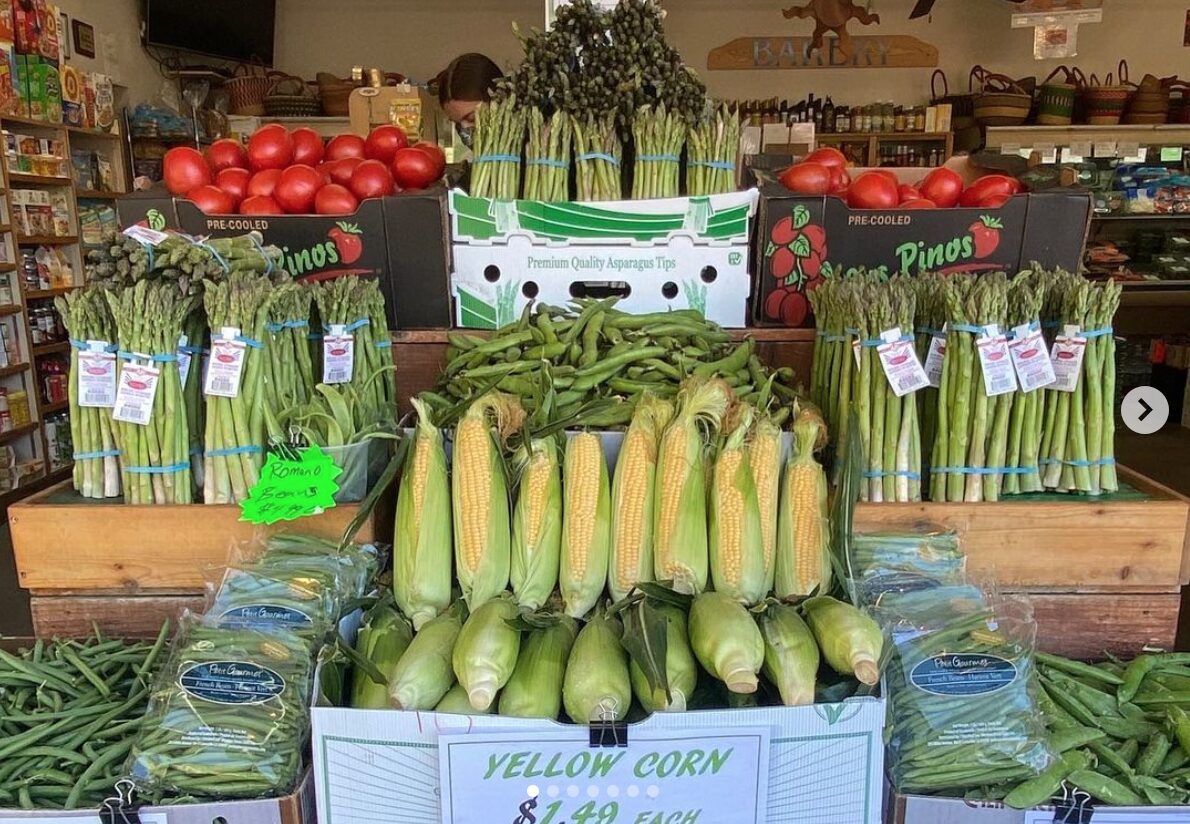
x=802 y=240
x=402 y=241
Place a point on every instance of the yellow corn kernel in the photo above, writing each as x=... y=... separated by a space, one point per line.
x=680 y=531
x=736 y=548
x=586 y=524
x=803 y=530
x=633 y=497
x=537 y=524
x=764 y=459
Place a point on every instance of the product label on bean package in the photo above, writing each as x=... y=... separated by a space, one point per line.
x=231 y=682
x=255 y=615
x=963 y=675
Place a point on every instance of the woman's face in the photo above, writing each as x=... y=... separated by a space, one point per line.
x=462 y=112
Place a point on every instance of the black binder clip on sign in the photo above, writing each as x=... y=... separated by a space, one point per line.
x=118 y=809
x=607 y=731
x=1074 y=808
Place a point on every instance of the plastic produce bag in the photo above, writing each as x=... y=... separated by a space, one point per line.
x=228 y=716
x=886 y=562
x=298 y=601
x=356 y=564
x=961 y=689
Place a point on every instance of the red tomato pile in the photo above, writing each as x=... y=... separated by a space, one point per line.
x=824 y=172
x=292 y=172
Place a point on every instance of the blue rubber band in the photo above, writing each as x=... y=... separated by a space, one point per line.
x=288 y=324
x=1098 y=333
x=967 y=327
x=157 y=470
x=498 y=158
x=133 y=356
x=834 y=339
x=900 y=473
x=86 y=456
x=725 y=165
x=1032 y=326
x=191 y=350
x=384 y=344
x=237 y=450
x=202 y=244
x=881 y=341
x=660 y=158
x=1080 y=464
x=549 y=161
x=259 y=248
x=351 y=327
x=983 y=470
x=821 y=333
x=853 y=332
x=82 y=346
x=598 y=156
x=196 y=450
x=925 y=330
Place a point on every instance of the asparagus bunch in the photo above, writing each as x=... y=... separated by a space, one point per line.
x=547 y=157
x=834 y=303
x=357 y=305
x=88 y=318
x=929 y=320
x=289 y=372
x=660 y=135
x=713 y=147
x=180 y=258
x=235 y=427
x=155 y=456
x=1026 y=294
x=597 y=156
x=499 y=139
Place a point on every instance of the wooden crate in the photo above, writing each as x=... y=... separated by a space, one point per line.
x=121 y=616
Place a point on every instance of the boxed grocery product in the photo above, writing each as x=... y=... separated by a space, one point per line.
x=21 y=88
x=41 y=212
x=105 y=102
x=25 y=26
x=20 y=211
x=88 y=100
x=49 y=43
x=47 y=90
x=60 y=210
x=8 y=95
x=82 y=163
x=7 y=33
x=72 y=95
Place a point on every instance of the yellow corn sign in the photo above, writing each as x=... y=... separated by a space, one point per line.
x=866 y=52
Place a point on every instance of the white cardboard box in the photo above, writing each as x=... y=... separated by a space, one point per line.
x=919 y=809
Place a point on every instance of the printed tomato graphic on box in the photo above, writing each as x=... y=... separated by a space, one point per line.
x=795 y=256
x=986 y=234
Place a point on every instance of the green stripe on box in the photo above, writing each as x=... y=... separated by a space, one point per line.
x=475 y=312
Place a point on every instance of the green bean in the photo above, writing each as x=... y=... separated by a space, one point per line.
x=1134 y=674
x=1048 y=783
x=1153 y=754
x=1174 y=760
x=1093 y=699
x=1123 y=730
x=1112 y=757
x=1079 y=669
x=1179 y=723
x=1105 y=789
x=1071 y=738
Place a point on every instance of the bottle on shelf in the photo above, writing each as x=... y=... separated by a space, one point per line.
x=843 y=119
x=828 y=115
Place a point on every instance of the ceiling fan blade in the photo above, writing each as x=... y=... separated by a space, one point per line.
x=922 y=8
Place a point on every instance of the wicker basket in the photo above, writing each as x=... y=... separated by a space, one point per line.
x=289 y=96
x=1150 y=104
x=1107 y=101
x=1055 y=100
x=335 y=94
x=1003 y=102
x=247 y=89
x=1179 y=102
x=962 y=106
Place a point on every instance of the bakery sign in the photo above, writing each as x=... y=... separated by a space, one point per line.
x=864 y=52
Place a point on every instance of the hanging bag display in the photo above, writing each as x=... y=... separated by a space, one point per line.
x=1055 y=100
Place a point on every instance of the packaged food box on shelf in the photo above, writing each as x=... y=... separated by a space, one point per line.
x=677 y=253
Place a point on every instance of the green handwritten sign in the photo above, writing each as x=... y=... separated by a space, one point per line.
x=288 y=490
x=554 y=776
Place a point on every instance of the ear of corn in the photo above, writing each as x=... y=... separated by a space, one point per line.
x=851 y=642
x=803 y=526
x=382 y=639
x=537 y=525
x=680 y=669
x=764 y=459
x=736 y=537
x=486 y=652
x=633 y=499
x=790 y=654
x=424 y=673
x=480 y=492
x=535 y=689
x=422 y=535
x=596 y=686
x=456 y=702
x=680 y=517
x=586 y=524
x=726 y=641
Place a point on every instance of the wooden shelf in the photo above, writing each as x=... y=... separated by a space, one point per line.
x=51 y=408
x=95 y=194
x=43 y=294
x=11 y=309
x=15 y=369
x=51 y=348
x=80 y=131
x=29 y=121
x=46 y=240
x=857 y=137
x=7 y=267
x=1171 y=134
x=60 y=474
x=1140 y=217
x=39 y=180
x=19 y=432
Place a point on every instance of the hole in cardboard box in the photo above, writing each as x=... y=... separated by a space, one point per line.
x=529 y=289
x=708 y=274
x=491 y=273
x=669 y=290
x=600 y=289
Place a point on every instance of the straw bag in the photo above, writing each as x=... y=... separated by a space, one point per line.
x=1150 y=103
x=247 y=89
x=289 y=96
x=1055 y=100
x=1107 y=101
x=962 y=106
x=1179 y=102
x=1003 y=102
x=335 y=94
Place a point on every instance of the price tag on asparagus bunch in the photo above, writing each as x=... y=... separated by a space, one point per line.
x=227 y=364
x=901 y=366
x=1066 y=356
x=554 y=776
x=184 y=359
x=136 y=391
x=97 y=375
x=291 y=487
x=999 y=378
x=338 y=355
x=1034 y=370
x=935 y=356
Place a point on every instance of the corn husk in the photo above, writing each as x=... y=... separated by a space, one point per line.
x=424 y=673
x=736 y=537
x=794 y=519
x=486 y=652
x=537 y=536
x=583 y=574
x=597 y=686
x=726 y=641
x=790 y=654
x=851 y=642
x=382 y=639
x=681 y=671
x=535 y=689
x=456 y=702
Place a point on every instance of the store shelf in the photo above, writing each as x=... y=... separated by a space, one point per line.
x=29 y=121
x=79 y=131
x=15 y=369
x=39 y=180
x=43 y=294
x=95 y=194
x=1168 y=135
x=1107 y=218
x=847 y=137
x=11 y=309
x=7 y=267
x=51 y=408
x=51 y=348
x=19 y=432
x=46 y=240
x=59 y=474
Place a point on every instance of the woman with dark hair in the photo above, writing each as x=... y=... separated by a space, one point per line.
x=468 y=81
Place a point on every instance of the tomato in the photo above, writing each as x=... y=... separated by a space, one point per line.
x=345 y=145
x=260 y=205
x=415 y=169
x=840 y=179
x=943 y=186
x=341 y=170
x=263 y=183
x=436 y=154
x=986 y=187
x=324 y=169
x=234 y=182
x=307 y=146
x=907 y=192
x=226 y=154
x=918 y=203
x=887 y=175
x=807 y=178
x=335 y=200
x=383 y=142
x=873 y=190
x=371 y=178
x=184 y=169
x=828 y=156
x=270 y=147
x=296 y=189
x=212 y=200
x=994 y=201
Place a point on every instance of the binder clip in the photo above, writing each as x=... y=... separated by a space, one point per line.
x=1075 y=807
x=288 y=451
x=118 y=808
x=608 y=732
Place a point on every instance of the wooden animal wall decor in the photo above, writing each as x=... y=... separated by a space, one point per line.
x=832 y=16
